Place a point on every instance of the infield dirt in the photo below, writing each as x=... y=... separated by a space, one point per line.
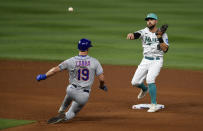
x=22 y=97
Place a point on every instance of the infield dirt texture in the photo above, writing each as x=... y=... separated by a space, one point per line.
x=22 y=97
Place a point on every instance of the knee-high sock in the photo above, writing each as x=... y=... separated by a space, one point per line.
x=152 y=92
x=142 y=86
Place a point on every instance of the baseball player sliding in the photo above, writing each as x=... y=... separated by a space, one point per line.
x=82 y=70
x=155 y=44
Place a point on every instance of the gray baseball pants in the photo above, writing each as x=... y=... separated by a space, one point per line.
x=78 y=97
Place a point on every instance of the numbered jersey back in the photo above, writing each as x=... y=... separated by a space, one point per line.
x=82 y=70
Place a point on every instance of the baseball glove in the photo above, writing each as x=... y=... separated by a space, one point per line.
x=162 y=30
x=163 y=47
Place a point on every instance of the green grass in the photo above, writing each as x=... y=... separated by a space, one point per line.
x=7 y=123
x=45 y=30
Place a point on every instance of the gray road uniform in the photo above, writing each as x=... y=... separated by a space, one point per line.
x=82 y=71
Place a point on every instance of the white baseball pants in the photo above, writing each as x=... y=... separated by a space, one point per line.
x=148 y=69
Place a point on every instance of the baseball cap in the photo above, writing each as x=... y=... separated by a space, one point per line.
x=151 y=16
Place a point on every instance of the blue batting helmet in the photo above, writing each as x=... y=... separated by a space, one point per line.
x=84 y=44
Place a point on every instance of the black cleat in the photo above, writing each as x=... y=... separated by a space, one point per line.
x=59 y=118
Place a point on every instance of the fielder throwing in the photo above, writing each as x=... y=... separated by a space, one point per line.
x=82 y=70
x=155 y=44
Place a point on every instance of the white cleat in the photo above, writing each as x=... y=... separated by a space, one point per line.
x=153 y=108
x=142 y=93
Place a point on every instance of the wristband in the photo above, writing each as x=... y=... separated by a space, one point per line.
x=160 y=40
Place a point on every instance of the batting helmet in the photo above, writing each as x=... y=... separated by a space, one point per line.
x=151 y=16
x=84 y=44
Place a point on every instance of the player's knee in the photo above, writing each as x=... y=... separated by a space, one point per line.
x=150 y=80
x=135 y=83
x=70 y=115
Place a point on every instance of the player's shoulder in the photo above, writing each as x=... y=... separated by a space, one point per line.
x=69 y=59
x=93 y=58
x=144 y=30
x=87 y=57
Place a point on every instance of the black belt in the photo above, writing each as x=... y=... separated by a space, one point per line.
x=86 y=90
x=74 y=85
x=83 y=90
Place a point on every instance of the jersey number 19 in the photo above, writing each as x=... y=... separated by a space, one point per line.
x=83 y=73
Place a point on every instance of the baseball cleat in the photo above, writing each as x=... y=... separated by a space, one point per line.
x=142 y=93
x=153 y=108
x=59 y=118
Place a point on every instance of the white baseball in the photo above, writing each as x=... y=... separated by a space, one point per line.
x=70 y=9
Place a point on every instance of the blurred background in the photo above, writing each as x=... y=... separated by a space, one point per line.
x=46 y=30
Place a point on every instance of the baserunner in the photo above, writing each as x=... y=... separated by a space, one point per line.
x=82 y=70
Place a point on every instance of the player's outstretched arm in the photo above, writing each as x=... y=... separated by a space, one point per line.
x=132 y=36
x=102 y=85
x=51 y=72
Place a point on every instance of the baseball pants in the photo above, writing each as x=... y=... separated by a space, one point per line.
x=149 y=70
x=78 y=97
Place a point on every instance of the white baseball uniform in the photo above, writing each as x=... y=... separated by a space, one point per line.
x=152 y=61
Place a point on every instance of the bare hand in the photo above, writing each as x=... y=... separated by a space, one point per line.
x=130 y=36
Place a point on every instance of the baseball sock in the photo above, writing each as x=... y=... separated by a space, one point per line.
x=152 y=92
x=142 y=86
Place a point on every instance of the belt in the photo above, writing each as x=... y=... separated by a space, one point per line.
x=152 y=58
x=85 y=90
x=74 y=85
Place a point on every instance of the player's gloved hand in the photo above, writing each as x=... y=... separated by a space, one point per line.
x=41 y=77
x=104 y=88
x=162 y=46
x=161 y=30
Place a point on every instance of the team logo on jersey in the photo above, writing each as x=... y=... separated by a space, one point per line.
x=150 y=41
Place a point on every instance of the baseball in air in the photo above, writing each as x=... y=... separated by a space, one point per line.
x=70 y=9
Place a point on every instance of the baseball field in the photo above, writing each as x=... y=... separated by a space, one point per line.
x=37 y=35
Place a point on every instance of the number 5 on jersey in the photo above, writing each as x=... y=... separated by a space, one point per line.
x=83 y=73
